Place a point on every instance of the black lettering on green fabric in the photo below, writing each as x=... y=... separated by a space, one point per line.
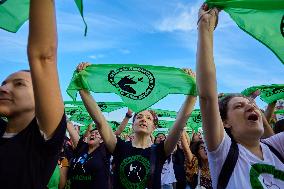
x=135 y=83
x=2 y=1
x=282 y=26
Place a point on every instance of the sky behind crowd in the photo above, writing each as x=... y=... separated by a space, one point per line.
x=156 y=32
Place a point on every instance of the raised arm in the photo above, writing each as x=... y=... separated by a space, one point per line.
x=177 y=129
x=42 y=54
x=206 y=79
x=269 y=111
x=185 y=145
x=268 y=131
x=182 y=117
x=74 y=136
x=95 y=112
x=123 y=123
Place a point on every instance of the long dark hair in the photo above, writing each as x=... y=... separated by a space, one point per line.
x=223 y=108
x=194 y=147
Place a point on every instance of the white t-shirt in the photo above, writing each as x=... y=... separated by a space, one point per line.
x=168 y=174
x=245 y=172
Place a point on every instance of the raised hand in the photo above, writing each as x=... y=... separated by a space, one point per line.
x=82 y=66
x=189 y=72
x=208 y=17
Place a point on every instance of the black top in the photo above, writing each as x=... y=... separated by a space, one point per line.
x=27 y=160
x=133 y=166
x=178 y=161
x=89 y=171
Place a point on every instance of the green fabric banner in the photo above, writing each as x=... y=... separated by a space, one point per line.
x=113 y=124
x=262 y=19
x=165 y=113
x=70 y=111
x=54 y=179
x=139 y=86
x=83 y=129
x=268 y=93
x=79 y=4
x=82 y=118
x=195 y=121
x=105 y=106
x=279 y=112
x=13 y=14
x=165 y=124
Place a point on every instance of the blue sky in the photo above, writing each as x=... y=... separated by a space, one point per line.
x=147 y=32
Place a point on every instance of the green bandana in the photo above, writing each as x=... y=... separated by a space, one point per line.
x=195 y=121
x=262 y=19
x=13 y=14
x=165 y=124
x=165 y=113
x=139 y=86
x=105 y=106
x=268 y=93
x=79 y=4
x=279 y=112
x=82 y=118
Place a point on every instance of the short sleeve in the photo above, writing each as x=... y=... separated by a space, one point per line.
x=54 y=144
x=119 y=147
x=277 y=141
x=217 y=158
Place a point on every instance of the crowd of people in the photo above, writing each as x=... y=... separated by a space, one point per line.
x=241 y=146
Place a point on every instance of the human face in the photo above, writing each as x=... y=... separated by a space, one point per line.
x=16 y=95
x=244 y=119
x=95 y=138
x=197 y=137
x=202 y=152
x=160 y=138
x=144 y=123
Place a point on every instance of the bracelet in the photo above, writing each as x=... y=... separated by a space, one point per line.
x=128 y=115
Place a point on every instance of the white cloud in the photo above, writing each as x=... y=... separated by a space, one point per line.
x=182 y=19
x=97 y=56
x=124 y=51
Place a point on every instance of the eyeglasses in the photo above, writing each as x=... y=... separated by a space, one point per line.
x=202 y=148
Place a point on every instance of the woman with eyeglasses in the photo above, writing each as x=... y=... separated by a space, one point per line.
x=196 y=163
